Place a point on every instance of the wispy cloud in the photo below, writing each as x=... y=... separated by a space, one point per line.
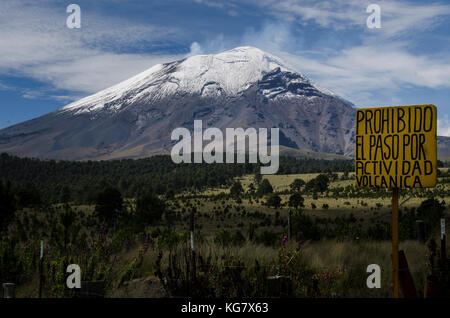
x=336 y=14
x=361 y=73
x=35 y=42
x=229 y=7
x=444 y=126
x=5 y=87
x=92 y=73
x=195 y=49
x=397 y=16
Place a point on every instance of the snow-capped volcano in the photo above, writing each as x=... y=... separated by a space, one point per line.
x=243 y=87
x=225 y=74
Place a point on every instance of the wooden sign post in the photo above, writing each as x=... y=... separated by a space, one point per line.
x=395 y=276
x=396 y=148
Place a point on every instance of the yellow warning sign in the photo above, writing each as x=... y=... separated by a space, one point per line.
x=396 y=147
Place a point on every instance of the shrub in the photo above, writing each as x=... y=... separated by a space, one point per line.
x=297 y=184
x=304 y=225
x=109 y=205
x=318 y=184
x=7 y=205
x=268 y=238
x=223 y=238
x=149 y=209
x=264 y=188
x=236 y=189
x=28 y=195
x=431 y=211
x=296 y=201
x=237 y=239
x=274 y=200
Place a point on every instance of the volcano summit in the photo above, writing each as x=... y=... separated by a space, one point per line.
x=243 y=87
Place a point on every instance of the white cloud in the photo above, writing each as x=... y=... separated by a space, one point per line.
x=216 y=44
x=271 y=37
x=371 y=69
x=210 y=3
x=5 y=87
x=443 y=126
x=219 y=5
x=401 y=17
x=35 y=42
x=93 y=73
x=195 y=49
x=397 y=16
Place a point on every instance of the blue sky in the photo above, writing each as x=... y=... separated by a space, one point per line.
x=44 y=65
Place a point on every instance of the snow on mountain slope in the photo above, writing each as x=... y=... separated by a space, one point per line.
x=227 y=73
x=243 y=87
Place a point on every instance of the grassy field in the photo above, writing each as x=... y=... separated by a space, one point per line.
x=339 y=263
x=346 y=262
x=366 y=210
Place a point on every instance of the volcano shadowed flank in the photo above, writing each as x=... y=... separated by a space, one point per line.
x=243 y=87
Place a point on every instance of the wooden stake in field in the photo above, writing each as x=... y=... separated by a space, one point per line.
x=395 y=241
x=192 y=229
x=41 y=265
x=289 y=225
x=443 y=242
